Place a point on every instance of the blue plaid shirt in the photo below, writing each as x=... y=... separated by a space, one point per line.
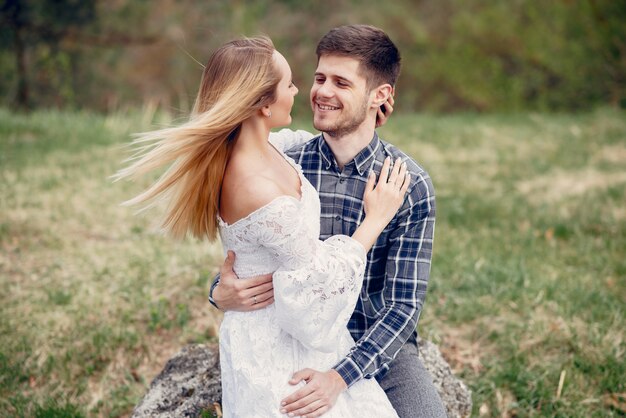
x=398 y=266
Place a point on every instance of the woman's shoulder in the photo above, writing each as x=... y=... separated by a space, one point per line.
x=256 y=191
x=247 y=192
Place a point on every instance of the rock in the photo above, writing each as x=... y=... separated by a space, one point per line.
x=189 y=385
x=455 y=395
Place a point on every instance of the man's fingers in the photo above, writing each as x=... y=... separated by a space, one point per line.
x=311 y=407
x=295 y=400
x=251 y=282
x=321 y=411
x=229 y=262
x=304 y=374
x=254 y=286
x=301 y=393
x=230 y=259
x=307 y=397
x=261 y=292
x=261 y=300
x=264 y=304
x=248 y=289
x=262 y=297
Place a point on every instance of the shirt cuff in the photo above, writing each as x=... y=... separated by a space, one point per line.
x=213 y=285
x=212 y=301
x=349 y=371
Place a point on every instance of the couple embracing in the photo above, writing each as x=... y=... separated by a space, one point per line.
x=329 y=237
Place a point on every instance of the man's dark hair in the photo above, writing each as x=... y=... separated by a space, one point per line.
x=378 y=56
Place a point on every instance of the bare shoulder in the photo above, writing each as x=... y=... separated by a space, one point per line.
x=256 y=191
x=245 y=193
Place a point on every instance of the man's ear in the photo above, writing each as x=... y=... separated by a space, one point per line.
x=380 y=94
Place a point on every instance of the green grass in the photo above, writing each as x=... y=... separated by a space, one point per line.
x=92 y=300
x=528 y=273
x=528 y=282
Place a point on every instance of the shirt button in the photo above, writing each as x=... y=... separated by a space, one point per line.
x=337 y=218
x=341 y=180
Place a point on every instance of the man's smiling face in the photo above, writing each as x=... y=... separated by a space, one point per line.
x=339 y=96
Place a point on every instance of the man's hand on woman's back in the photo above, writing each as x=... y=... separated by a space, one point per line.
x=234 y=294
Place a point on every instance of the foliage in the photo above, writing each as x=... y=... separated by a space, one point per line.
x=34 y=23
x=458 y=54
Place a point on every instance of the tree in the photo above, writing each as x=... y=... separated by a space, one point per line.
x=32 y=22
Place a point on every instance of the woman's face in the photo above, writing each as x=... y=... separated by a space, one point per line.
x=285 y=92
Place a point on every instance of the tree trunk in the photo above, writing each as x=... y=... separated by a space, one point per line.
x=22 y=81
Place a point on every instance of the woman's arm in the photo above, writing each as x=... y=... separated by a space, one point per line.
x=382 y=201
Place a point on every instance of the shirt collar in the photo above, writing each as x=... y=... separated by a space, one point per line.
x=326 y=153
x=361 y=160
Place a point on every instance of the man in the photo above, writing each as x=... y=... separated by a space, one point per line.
x=357 y=68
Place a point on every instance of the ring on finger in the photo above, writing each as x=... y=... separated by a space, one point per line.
x=254 y=298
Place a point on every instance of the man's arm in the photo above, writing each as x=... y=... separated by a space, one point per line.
x=407 y=271
x=228 y=293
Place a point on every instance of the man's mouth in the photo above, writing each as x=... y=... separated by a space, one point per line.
x=325 y=107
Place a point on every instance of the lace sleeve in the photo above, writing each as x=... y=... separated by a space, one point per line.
x=285 y=139
x=317 y=283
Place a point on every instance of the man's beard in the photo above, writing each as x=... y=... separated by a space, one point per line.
x=343 y=128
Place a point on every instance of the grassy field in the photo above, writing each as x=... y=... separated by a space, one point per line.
x=527 y=297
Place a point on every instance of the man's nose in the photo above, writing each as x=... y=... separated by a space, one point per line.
x=325 y=90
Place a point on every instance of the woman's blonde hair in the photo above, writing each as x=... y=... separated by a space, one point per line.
x=239 y=79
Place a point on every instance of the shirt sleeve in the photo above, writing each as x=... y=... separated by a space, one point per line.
x=317 y=283
x=407 y=274
x=286 y=139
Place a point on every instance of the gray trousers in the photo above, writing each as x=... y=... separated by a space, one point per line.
x=410 y=388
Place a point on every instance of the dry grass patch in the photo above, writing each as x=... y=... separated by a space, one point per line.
x=559 y=185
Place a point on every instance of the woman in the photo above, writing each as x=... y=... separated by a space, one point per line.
x=225 y=176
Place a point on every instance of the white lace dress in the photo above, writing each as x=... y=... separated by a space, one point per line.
x=316 y=286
